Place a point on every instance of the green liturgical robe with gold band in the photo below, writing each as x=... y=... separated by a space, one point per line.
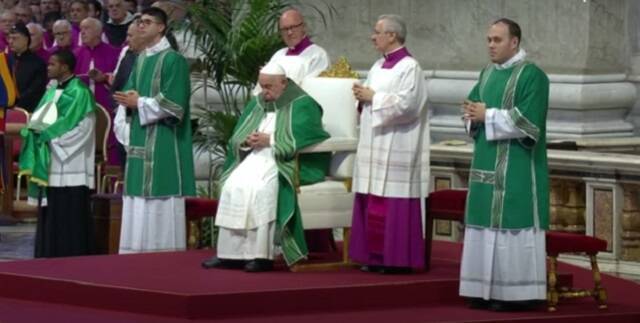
x=73 y=104
x=298 y=124
x=508 y=180
x=159 y=154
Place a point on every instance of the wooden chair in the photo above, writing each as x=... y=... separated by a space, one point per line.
x=562 y=242
x=16 y=116
x=196 y=209
x=105 y=173
x=442 y=205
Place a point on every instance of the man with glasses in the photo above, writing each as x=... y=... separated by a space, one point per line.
x=159 y=168
x=63 y=36
x=301 y=57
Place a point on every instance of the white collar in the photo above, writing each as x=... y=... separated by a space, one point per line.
x=160 y=46
x=125 y=21
x=517 y=58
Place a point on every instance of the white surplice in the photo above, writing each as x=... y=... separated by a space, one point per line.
x=248 y=204
x=312 y=61
x=393 y=150
x=149 y=224
x=506 y=265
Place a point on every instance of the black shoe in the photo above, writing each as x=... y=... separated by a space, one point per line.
x=396 y=270
x=477 y=303
x=258 y=265
x=515 y=306
x=216 y=262
x=371 y=269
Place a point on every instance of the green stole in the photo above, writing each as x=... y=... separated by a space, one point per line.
x=75 y=103
x=298 y=125
x=508 y=180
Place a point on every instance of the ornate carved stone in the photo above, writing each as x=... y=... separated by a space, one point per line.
x=573 y=211
x=631 y=223
x=557 y=199
x=340 y=69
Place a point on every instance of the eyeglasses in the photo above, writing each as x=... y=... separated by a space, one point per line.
x=145 y=22
x=290 y=28
x=61 y=33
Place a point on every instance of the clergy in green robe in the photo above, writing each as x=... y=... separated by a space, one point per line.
x=58 y=151
x=159 y=170
x=258 y=207
x=503 y=263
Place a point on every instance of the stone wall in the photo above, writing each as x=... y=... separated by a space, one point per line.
x=590 y=49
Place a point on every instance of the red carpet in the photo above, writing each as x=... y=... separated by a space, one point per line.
x=168 y=287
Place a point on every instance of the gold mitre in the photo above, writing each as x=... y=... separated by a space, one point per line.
x=341 y=69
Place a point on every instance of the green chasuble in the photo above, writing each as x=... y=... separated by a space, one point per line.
x=160 y=155
x=298 y=125
x=508 y=180
x=73 y=105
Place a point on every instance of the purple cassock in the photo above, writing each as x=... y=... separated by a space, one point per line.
x=104 y=58
x=48 y=40
x=387 y=231
x=4 y=44
x=44 y=54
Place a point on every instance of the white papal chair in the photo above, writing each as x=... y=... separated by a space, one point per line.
x=329 y=204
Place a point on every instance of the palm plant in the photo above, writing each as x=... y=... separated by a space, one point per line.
x=236 y=38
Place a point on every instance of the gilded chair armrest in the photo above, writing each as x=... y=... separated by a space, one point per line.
x=333 y=144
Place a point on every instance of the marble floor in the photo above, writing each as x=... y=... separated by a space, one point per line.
x=16 y=241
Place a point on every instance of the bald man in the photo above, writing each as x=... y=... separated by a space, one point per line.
x=301 y=58
x=96 y=60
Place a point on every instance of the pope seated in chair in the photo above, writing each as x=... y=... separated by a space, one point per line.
x=258 y=208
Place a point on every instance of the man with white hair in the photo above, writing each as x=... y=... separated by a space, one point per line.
x=37 y=41
x=258 y=195
x=63 y=36
x=391 y=174
x=96 y=60
x=118 y=23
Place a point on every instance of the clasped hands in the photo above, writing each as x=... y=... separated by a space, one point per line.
x=258 y=140
x=473 y=111
x=127 y=99
x=362 y=93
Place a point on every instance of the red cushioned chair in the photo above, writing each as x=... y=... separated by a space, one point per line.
x=196 y=209
x=561 y=242
x=442 y=205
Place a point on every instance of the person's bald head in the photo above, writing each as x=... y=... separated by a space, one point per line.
x=36 y=31
x=7 y=20
x=174 y=11
x=91 y=32
x=292 y=27
x=135 y=40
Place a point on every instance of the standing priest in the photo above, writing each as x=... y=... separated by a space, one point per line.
x=391 y=174
x=503 y=261
x=57 y=153
x=159 y=169
x=258 y=204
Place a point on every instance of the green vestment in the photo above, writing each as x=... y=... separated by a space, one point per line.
x=508 y=180
x=73 y=105
x=160 y=155
x=298 y=125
